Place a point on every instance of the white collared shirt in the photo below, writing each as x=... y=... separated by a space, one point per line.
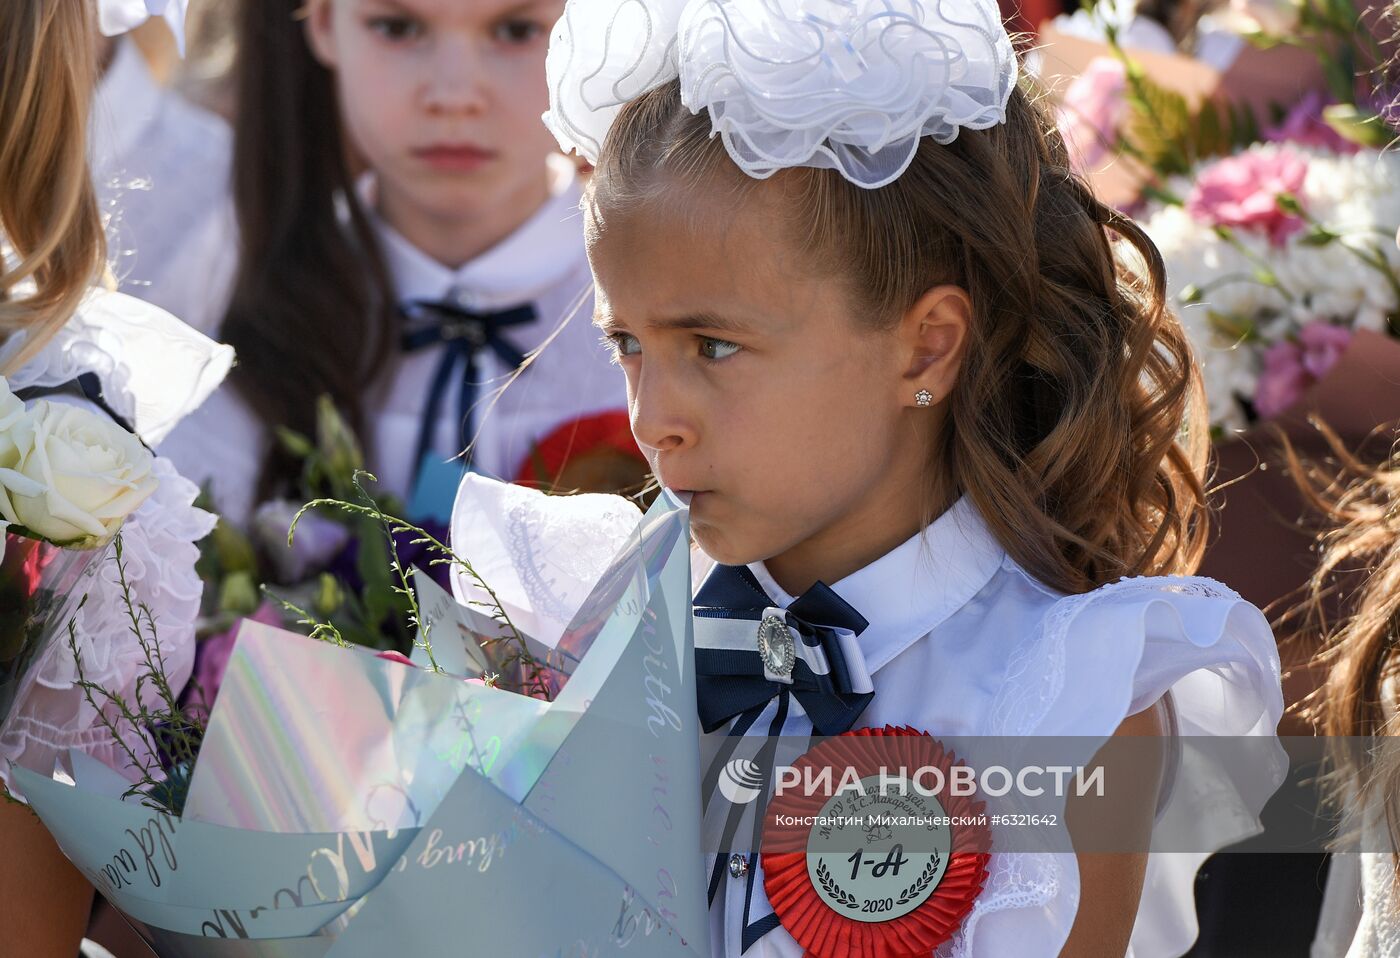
x=542 y=263
x=963 y=642
x=161 y=168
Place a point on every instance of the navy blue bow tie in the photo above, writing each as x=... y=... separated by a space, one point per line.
x=747 y=652
x=465 y=332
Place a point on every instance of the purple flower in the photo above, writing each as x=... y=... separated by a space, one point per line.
x=1292 y=367
x=1243 y=191
x=318 y=539
x=1305 y=126
x=211 y=657
x=345 y=565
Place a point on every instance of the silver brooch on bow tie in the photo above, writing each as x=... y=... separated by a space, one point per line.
x=775 y=646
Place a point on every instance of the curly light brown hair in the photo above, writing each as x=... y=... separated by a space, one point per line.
x=1077 y=422
x=1358 y=705
x=48 y=209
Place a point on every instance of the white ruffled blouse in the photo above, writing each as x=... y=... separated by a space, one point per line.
x=1362 y=900
x=154 y=369
x=962 y=642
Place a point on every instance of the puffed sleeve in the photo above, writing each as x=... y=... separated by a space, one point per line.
x=1097 y=659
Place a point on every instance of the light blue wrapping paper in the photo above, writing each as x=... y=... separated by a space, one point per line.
x=343 y=805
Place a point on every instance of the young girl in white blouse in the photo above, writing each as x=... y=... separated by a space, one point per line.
x=409 y=235
x=884 y=339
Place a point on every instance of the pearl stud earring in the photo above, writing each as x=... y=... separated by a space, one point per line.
x=923 y=398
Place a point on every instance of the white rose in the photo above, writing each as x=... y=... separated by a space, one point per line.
x=77 y=475
x=15 y=428
x=13 y=418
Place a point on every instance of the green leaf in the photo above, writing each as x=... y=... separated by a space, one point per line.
x=329 y=596
x=238 y=595
x=1165 y=132
x=1341 y=76
x=294 y=442
x=1231 y=328
x=233 y=549
x=1358 y=126
x=1318 y=236
x=339 y=448
x=1158 y=194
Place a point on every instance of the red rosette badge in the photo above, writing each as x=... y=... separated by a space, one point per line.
x=875 y=845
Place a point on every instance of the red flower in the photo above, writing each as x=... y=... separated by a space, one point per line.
x=591 y=454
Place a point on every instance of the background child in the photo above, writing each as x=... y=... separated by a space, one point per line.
x=879 y=332
x=1358 y=705
x=407 y=241
x=161 y=168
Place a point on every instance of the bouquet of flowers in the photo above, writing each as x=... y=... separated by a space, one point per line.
x=1266 y=185
x=69 y=478
x=1277 y=258
x=336 y=567
x=436 y=811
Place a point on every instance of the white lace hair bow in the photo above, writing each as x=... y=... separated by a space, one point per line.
x=118 y=16
x=850 y=85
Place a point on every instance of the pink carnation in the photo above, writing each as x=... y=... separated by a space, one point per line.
x=1092 y=110
x=1243 y=191
x=1291 y=368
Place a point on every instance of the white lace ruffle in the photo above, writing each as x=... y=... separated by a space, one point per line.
x=849 y=85
x=154 y=369
x=1215 y=654
x=540 y=554
x=50 y=713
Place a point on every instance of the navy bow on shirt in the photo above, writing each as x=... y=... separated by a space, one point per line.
x=465 y=332
x=732 y=680
x=747 y=653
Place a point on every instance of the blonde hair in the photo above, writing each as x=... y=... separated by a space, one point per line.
x=1076 y=425
x=1356 y=707
x=48 y=211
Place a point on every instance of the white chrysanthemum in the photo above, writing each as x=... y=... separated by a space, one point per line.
x=1355 y=196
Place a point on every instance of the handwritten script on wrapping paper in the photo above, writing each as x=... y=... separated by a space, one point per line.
x=147 y=850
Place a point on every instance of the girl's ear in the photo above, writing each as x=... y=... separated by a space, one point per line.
x=320 y=32
x=935 y=331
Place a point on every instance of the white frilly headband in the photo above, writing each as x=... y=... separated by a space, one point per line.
x=118 y=16
x=849 y=85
